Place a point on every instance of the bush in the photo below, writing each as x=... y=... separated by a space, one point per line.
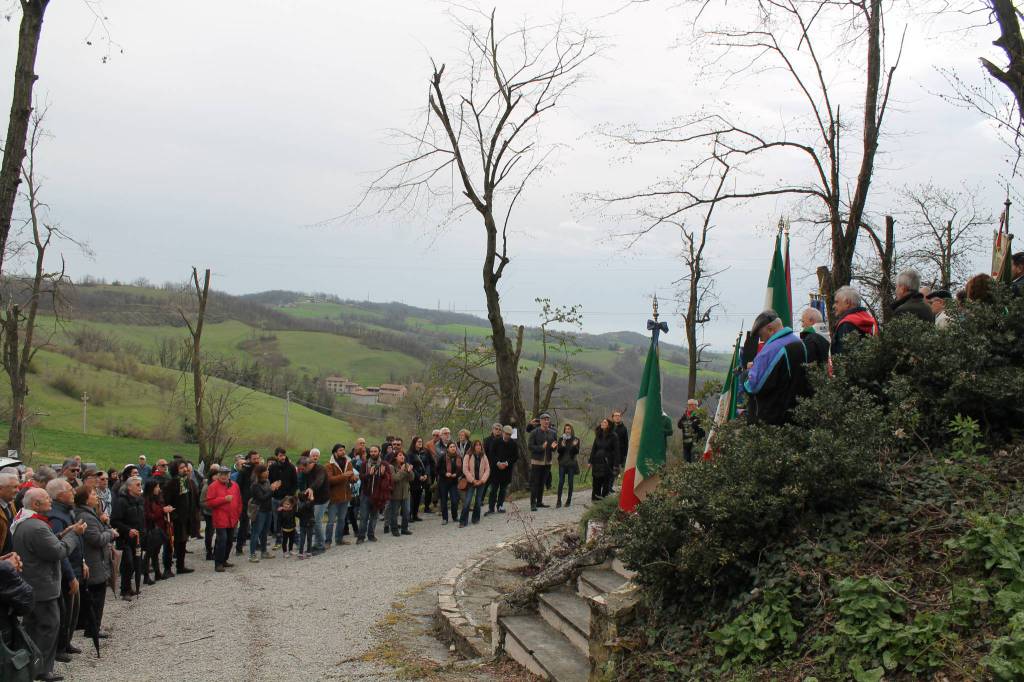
x=603 y=510
x=67 y=386
x=699 y=536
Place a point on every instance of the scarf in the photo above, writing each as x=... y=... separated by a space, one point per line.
x=25 y=514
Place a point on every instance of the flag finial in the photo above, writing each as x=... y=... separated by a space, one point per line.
x=782 y=224
x=654 y=306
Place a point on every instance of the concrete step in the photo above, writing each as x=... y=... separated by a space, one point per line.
x=543 y=650
x=597 y=581
x=621 y=569
x=568 y=613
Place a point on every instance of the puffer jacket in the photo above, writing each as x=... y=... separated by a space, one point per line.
x=96 y=542
x=604 y=453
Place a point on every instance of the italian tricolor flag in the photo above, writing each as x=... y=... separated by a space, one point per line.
x=777 y=296
x=647 y=437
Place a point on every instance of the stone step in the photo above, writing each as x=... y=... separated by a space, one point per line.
x=594 y=582
x=543 y=650
x=568 y=613
x=621 y=569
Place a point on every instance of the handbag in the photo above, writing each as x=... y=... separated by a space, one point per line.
x=20 y=659
x=253 y=510
x=463 y=484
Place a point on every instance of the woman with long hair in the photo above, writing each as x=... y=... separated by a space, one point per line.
x=568 y=467
x=156 y=531
x=603 y=455
x=423 y=474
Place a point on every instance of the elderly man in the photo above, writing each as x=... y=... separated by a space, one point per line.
x=817 y=345
x=691 y=427
x=542 y=443
x=8 y=491
x=71 y=470
x=851 y=318
x=909 y=299
x=776 y=377
x=42 y=552
x=72 y=569
x=145 y=471
x=937 y=300
x=103 y=495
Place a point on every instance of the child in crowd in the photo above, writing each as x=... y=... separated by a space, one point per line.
x=287 y=515
x=305 y=513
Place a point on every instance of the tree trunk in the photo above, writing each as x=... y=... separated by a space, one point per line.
x=198 y=388
x=690 y=324
x=844 y=244
x=21 y=109
x=12 y=364
x=947 y=257
x=506 y=358
x=885 y=287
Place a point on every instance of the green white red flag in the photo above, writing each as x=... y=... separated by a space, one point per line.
x=647 y=438
x=728 y=401
x=777 y=295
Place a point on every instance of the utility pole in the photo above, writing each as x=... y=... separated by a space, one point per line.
x=287 y=403
x=85 y=411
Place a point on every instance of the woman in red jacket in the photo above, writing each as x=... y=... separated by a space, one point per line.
x=225 y=502
x=156 y=530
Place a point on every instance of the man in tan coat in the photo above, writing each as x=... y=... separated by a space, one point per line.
x=340 y=477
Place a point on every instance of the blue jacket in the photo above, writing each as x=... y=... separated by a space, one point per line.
x=777 y=378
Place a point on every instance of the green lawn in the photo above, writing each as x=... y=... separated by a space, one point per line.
x=152 y=414
x=313 y=353
x=330 y=311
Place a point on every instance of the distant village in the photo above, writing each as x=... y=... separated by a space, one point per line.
x=385 y=394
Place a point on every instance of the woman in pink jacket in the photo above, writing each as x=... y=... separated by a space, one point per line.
x=477 y=471
x=225 y=502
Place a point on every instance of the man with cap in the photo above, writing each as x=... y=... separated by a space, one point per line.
x=937 y=300
x=776 y=377
x=145 y=471
x=502 y=457
x=542 y=443
x=70 y=471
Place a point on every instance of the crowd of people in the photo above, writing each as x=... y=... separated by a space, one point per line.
x=69 y=532
x=777 y=375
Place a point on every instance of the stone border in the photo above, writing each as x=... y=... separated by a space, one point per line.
x=459 y=626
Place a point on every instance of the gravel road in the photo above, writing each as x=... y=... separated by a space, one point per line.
x=284 y=618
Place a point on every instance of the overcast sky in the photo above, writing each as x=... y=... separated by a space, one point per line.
x=225 y=129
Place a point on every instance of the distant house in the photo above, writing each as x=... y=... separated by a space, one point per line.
x=338 y=385
x=365 y=396
x=390 y=394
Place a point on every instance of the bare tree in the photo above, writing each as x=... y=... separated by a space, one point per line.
x=18 y=318
x=222 y=407
x=698 y=297
x=796 y=38
x=945 y=232
x=479 y=148
x=558 y=347
x=201 y=294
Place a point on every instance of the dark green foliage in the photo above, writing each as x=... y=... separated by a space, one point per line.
x=881 y=535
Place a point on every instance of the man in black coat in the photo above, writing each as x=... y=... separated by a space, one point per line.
x=244 y=482
x=281 y=469
x=178 y=493
x=16 y=598
x=909 y=300
x=502 y=458
x=621 y=432
x=816 y=344
x=1017 y=272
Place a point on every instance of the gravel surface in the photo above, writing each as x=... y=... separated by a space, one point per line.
x=284 y=618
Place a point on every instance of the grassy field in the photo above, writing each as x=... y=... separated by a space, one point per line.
x=149 y=410
x=313 y=353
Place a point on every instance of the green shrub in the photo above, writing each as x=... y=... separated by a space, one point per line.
x=758 y=634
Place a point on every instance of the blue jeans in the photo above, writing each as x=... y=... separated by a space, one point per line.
x=367 y=518
x=222 y=545
x=566 y=474
x=318 y=525
x=260 y=526
x=336 y=513
x=472 y=496
x=446 y=492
